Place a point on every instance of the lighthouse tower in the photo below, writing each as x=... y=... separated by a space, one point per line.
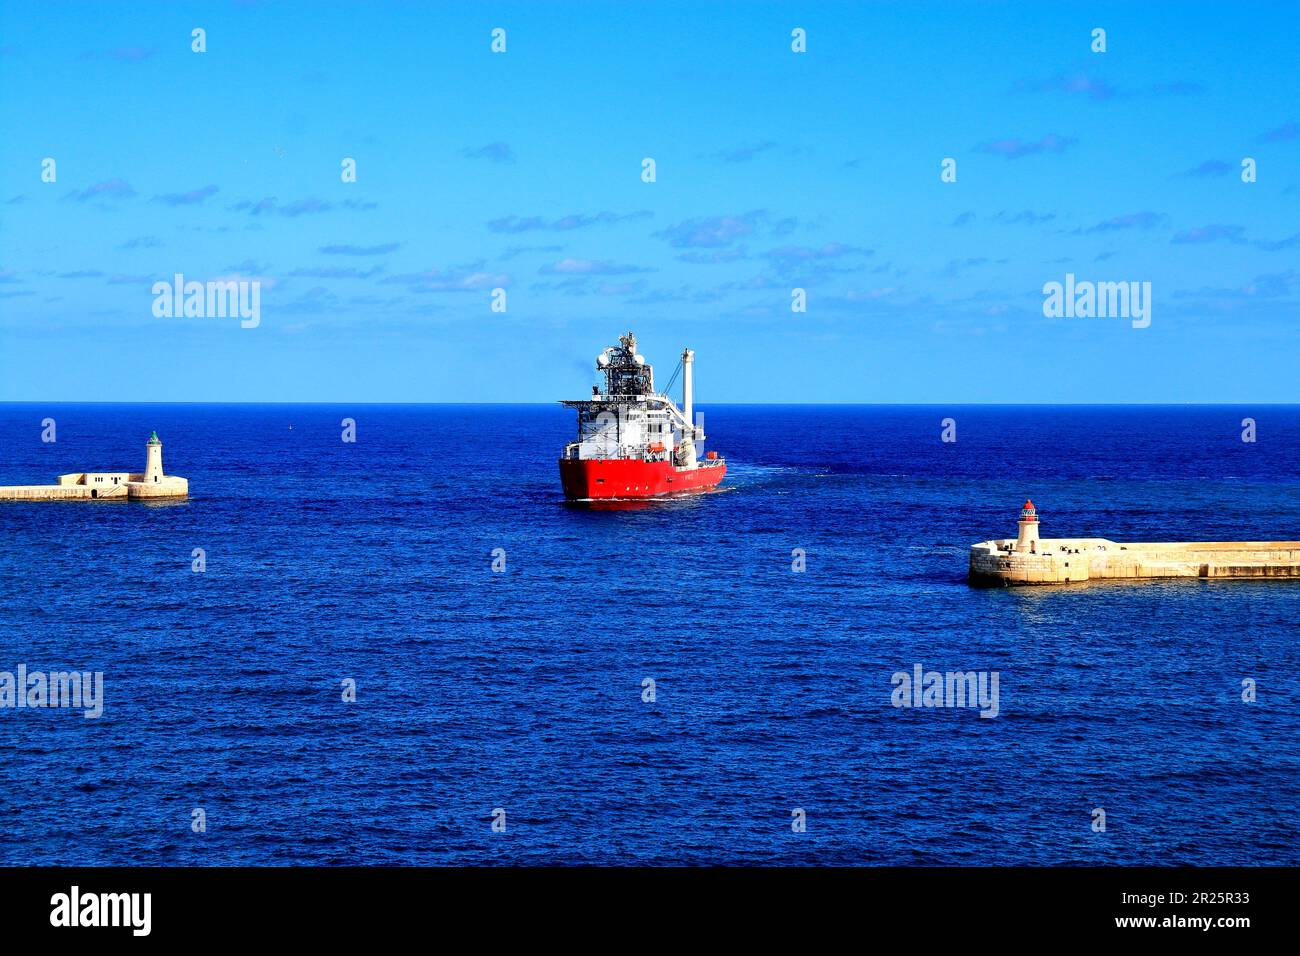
x=153 y=470
x=1027 y=539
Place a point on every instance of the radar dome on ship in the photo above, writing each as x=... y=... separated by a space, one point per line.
x=639 y=359
x=603 y=358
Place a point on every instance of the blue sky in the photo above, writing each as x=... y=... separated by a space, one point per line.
x=775 y=170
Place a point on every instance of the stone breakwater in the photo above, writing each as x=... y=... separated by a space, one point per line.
x=1071 y=560
x=150 y=484
x=1029 y=559
x=125 y=490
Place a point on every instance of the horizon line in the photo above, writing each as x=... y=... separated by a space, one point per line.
x=705 y=404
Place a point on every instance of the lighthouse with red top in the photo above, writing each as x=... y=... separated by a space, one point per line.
x=1027 y=539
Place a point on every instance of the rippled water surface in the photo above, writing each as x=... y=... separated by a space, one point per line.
x=523 y=690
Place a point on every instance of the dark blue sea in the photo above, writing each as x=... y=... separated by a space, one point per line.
x=522 y=690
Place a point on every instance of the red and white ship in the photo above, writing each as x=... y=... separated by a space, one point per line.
x=633 y=442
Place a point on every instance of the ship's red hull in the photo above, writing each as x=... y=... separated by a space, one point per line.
x=630 y=478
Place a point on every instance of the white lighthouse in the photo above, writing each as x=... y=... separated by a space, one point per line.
x=1027 y=539
x=153 y=469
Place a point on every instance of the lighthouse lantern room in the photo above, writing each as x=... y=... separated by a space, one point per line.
x=1027 y=539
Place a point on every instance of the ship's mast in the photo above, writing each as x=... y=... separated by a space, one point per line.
x=626 y=373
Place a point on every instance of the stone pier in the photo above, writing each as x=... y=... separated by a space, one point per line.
x=1029 y=559
x=87 y=485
